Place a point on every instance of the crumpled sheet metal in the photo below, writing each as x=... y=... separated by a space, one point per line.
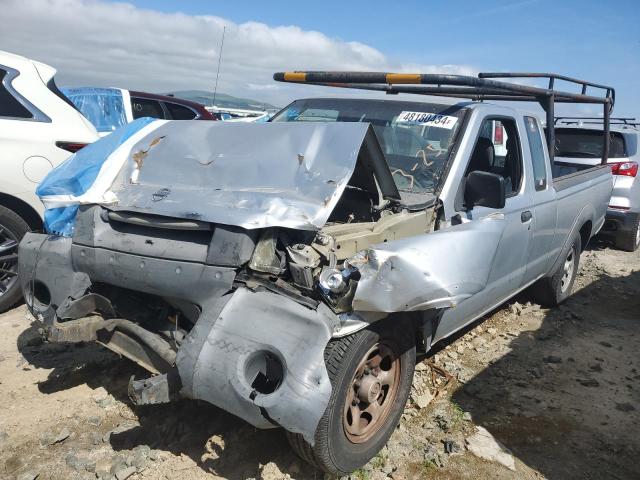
x=213 y=359
x=436 y=270
x=248 y=175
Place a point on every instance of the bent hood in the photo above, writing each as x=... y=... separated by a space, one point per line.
x=249 y=175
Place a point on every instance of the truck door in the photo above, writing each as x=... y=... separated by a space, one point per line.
x=544 y=209
x=510 y=263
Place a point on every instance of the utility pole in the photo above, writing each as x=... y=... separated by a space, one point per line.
x=215 y=90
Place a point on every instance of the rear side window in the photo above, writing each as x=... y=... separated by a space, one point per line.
x=180 y=112
x=9 y=106
x=537 y=153
x=51 y=85
x=143 y=107
x=584 y=143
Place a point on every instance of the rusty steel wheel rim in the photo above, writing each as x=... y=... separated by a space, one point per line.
x=372 y=393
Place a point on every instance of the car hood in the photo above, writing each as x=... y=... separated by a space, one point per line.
x=249 y=175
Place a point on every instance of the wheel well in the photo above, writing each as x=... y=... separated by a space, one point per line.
x=23 y=209
x=585 y=234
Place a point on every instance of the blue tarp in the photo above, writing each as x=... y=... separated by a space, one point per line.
x=76 y=175
x=103 y=107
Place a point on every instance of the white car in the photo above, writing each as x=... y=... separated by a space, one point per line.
x=39 y=128
x=579 y=141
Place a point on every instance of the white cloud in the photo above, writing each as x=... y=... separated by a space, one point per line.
x=97 y=43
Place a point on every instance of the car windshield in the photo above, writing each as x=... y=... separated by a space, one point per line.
x=103 y=107
x=416 y=138
x=583 y=143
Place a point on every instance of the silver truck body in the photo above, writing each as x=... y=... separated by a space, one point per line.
x=623 y=213
x=437 y=261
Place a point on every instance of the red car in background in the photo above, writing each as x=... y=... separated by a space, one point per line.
x=168 y=107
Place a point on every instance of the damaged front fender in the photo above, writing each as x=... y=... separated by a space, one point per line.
x=260 y=356
x=435 y=270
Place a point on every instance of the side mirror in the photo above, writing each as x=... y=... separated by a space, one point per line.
x=484 y=189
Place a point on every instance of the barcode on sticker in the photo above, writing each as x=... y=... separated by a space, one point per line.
x=428 y=119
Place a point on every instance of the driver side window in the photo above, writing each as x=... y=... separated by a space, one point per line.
x=497 y=150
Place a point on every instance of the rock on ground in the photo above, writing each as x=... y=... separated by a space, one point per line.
x=483 y=445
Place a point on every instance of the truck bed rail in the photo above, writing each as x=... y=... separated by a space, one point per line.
x=620 y=121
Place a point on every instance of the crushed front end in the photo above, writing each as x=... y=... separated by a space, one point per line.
x=174 y=301
x=227 y=281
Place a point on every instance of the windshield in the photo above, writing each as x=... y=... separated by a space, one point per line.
x=582 y=143
x=416 y=138
x=103 y=107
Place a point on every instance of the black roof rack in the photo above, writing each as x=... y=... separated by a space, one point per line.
x=483 y=87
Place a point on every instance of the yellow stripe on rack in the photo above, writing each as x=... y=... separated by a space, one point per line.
x=403 y=78
x=295 y=77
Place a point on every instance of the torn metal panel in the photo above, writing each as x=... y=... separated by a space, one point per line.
x=218 y=359
x=351 y=322
x=247 y=175
x=45 y=260
x=436 y=270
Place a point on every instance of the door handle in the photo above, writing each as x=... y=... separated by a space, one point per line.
x=526 y=216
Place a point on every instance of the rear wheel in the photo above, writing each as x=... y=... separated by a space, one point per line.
x=12 y=229
x=371 y=374
x=556 y=289
x=629 y=240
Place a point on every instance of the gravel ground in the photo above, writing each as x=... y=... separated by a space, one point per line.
x=526 y=393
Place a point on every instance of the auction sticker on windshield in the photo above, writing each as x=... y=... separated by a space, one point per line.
x=428 y=119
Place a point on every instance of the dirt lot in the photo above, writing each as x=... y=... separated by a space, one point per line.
x=558 y=389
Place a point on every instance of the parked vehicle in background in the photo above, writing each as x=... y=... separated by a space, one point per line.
x=289 y=271
x=262 y=118
x=39 y=128
x=110 y=108
x=579 y=141
x=242 y=115
x=223 y=116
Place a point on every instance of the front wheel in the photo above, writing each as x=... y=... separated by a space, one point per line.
x=371 y=374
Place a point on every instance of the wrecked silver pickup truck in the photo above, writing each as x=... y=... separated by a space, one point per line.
x=288 y=272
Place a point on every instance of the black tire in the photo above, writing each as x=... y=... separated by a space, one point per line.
x=333 y=451
x=629 y=240
x=553 y=290
x=12 y=229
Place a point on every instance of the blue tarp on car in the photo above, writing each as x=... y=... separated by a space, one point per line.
x=76 y=175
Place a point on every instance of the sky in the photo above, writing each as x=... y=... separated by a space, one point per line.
x=160 y=45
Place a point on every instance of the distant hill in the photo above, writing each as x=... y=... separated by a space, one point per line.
x=222 y=100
